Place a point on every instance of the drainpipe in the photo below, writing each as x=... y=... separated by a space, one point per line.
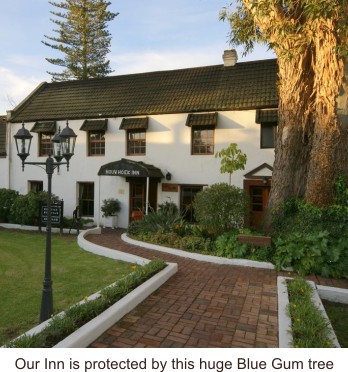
x=147 y=195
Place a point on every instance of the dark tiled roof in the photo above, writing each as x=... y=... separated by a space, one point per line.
x=246 y=85
x=2 y=136
x=202 y=119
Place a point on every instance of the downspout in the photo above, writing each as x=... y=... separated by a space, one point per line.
x=147 y=195
x=9 y=142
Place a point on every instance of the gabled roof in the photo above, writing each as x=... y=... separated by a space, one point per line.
x=247 y=85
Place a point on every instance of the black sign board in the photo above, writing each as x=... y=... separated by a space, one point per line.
x=56 y=214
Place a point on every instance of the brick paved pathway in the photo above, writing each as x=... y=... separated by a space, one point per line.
x=203 y=305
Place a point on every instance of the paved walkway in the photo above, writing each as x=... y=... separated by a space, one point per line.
x=203 y=305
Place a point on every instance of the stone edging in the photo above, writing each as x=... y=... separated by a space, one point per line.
x=284 y=320
x=198 y=256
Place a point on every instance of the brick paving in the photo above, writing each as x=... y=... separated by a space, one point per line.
x=202 y=305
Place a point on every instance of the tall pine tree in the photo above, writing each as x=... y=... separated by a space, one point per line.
x=82 y=37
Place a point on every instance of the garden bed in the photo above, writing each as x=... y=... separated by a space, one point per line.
x=44 y=334
x=285 y=321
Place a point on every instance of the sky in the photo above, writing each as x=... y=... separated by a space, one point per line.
x=147 y=35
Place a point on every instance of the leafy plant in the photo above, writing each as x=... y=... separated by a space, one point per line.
x=7 y=198
x=220 y=208
x=166 y=219
x=25 y=208
x=232 y=159
x=110 y=207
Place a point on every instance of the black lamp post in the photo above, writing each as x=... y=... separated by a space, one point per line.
x=63 y=147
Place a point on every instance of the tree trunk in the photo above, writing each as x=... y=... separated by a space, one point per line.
x=329 y=142
x=295 y=126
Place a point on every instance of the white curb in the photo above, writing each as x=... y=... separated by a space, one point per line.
x=198 y=256
x=284 y=320
x=107 y=252
x=89 y=332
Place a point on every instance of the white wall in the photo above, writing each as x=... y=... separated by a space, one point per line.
x=168 y=147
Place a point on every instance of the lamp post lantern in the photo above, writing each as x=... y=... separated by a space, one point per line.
x=63 y=144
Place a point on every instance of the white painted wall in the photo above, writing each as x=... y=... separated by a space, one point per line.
x=168 y=147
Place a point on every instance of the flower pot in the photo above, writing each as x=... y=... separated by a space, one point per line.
x=110 y=222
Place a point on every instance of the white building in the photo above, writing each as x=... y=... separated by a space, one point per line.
x=152 y=134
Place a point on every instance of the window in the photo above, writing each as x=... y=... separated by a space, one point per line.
x=203 y=140
x=45 y=144
x=95 y=130
x=202 y=132
x=45 y=131
x=135 y=134
x=35 y=186
x=136 y=142
x=96 y=142
x=268 y=135
x=86 y=199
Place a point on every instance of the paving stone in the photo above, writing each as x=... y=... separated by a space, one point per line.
x=203 y=305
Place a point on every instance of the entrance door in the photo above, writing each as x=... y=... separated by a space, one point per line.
x=258 y=201
x=137 y=198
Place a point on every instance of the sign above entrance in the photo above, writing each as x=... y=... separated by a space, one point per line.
x=130 y=168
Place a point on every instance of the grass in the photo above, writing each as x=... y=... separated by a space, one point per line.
x=78 y=315
x=75 y=274
x=338 y=315
x=309 y=327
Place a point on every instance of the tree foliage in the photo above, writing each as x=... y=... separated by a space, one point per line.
x=310 y=40
x=82 y=37
x=232 y=159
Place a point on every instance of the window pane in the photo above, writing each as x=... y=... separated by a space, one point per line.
x=45 y=145
x=136 y=142
x=86 y=199
x=96 y=143
x=202 y=141
x=268 y=133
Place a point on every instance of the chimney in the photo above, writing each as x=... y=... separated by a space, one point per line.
x=230 y=57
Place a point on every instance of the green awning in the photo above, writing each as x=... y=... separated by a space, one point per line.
x=134 y=123
x=208 y=119
x=44 y=127
x=97 y=124
x=130 y=168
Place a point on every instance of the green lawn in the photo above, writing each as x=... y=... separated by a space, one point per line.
x=75 y=274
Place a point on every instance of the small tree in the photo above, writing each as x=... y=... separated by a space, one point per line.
x=220 y=208
x=232 y=159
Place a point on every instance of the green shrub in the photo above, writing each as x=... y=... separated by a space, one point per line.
x=166 y=219
x=25 y=209
x=311 y=253
x=196 y=244
x=7 y=198
x=220 y=208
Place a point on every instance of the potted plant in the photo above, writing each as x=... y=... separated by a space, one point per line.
x=110 y=208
